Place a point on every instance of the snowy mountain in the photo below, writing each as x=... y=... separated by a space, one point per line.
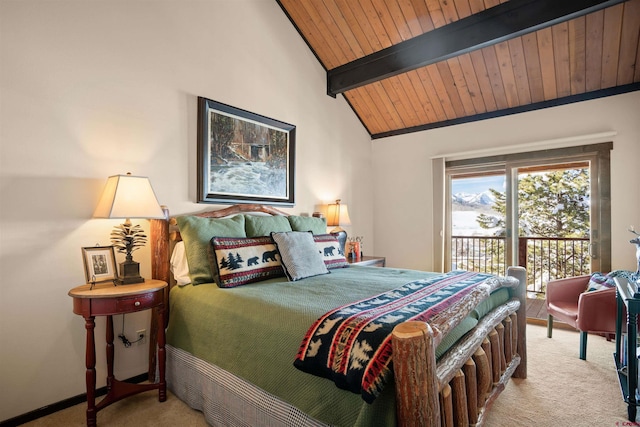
x=465 y=210
x=484 y=199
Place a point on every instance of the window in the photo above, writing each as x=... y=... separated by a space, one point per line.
x=548 y=211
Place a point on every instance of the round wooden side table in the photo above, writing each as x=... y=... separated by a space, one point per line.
x=107 y=300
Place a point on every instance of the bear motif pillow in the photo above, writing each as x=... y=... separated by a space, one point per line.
x=332 y=254
x=239 y=261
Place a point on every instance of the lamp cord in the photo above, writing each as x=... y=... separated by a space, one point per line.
x=124 y=339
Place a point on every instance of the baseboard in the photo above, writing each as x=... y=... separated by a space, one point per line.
x=63 y=404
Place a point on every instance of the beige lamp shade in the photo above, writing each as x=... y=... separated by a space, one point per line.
x=127 y=196
x=337 y=215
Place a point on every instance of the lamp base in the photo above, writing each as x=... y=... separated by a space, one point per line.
x=129 y=273
x=129 y=280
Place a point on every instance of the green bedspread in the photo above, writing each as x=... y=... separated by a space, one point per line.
x=254 y=331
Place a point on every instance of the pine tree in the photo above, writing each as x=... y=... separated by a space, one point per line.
x=239 y=259
x=554 y=204
x=235 y=261
x=500 y=207
x=232 y=261
x=222 y=133
x=550 y=204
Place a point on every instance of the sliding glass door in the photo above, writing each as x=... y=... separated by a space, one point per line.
x=546 y=211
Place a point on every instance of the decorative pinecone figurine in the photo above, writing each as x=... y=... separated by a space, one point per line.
x=127 y=238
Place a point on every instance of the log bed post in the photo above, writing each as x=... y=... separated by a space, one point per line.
x=416 y=386
x=503 y=362
x=483 y=377
x=508 y=340
x=159 y=234
x=446 y=406
x=460 y=404
x=471 y=384
x=495 y=356
x=520 y=328
x=514 y=333
x=419 y=396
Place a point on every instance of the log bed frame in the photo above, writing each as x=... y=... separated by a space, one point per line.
x=460 y=388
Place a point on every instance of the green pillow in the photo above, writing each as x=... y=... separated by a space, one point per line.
x=258 y=226
x=308 y=223
x=196 y=233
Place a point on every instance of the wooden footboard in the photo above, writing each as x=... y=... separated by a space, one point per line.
x=459 y=388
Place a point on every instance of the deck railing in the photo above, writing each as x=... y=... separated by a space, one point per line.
x=545 y=258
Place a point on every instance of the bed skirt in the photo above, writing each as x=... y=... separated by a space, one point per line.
x=225 y=399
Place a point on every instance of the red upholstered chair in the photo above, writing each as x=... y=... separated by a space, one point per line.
x=593 y=311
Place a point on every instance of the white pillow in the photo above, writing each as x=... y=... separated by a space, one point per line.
x=179 y=266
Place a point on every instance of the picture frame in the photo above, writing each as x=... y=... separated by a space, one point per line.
x=99 y=264
x=244 y=157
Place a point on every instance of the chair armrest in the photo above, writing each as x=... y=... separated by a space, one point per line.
x=566 y=290
x=597 y=311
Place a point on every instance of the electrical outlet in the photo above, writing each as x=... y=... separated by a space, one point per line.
x=142 y=336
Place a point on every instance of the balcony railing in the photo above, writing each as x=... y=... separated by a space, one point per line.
x=545 y=258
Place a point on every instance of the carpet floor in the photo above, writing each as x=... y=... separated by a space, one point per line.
x=561 y=390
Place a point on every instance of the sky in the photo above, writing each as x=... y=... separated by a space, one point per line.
x=477 y=185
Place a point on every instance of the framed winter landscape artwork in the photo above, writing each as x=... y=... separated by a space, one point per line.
x=244 y=157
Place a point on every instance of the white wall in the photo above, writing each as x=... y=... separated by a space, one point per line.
x=92 y=89
x=403 y=173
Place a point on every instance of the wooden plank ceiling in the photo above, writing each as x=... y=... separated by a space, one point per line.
x=483 y=58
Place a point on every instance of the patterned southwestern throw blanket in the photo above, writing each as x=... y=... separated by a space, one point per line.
x=351 y=345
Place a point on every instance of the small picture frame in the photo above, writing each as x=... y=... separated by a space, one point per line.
x=99 y=264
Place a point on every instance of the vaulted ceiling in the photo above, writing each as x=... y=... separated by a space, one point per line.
x=411 y=65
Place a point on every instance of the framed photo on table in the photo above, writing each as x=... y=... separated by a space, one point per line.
x=99 y=264
x=244 y=157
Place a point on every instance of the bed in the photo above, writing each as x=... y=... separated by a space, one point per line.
x=230 y=350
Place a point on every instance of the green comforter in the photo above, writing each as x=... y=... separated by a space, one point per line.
x=254 y=331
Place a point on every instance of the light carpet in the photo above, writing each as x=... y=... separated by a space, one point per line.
x=561 y=390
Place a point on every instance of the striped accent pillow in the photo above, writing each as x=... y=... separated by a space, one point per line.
x=239 y=261
x=300 y=255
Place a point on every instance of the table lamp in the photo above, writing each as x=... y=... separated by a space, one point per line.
x=337 y=215
x=126 y=197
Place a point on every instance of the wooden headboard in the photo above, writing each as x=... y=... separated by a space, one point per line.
x=165 y=233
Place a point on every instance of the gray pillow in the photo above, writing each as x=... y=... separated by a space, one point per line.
x=299 y=254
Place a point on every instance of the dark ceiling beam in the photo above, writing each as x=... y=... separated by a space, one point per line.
x=491 y=26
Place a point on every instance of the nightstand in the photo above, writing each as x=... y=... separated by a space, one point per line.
x=107 y=300
x=369 y=261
